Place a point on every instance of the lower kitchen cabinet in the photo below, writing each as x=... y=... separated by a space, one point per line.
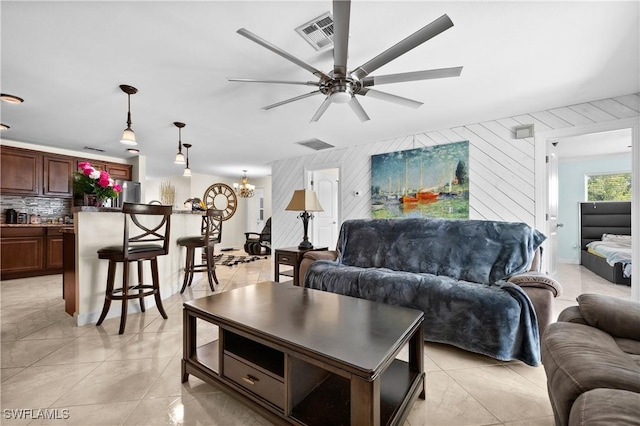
x=30 y=251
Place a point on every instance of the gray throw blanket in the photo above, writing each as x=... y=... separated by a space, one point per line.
x=454 y=271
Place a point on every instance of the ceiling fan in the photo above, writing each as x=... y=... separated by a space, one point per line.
x=340 y=85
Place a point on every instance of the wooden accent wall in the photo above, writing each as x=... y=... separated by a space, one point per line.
x=501 y=168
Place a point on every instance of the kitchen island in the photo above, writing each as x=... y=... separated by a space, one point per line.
x=96 y=227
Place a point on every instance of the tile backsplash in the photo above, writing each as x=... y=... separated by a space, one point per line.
x=47 y=208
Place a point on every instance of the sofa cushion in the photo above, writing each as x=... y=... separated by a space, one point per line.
x=578 y=358
x=470 y=250
x=495 y=320
x=606 y=407
x=618 y=317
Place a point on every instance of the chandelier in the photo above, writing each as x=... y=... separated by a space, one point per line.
x=244 y=189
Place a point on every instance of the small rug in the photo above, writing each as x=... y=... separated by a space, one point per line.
x=231 y=260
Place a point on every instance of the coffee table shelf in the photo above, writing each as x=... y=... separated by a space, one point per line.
x=275 y=354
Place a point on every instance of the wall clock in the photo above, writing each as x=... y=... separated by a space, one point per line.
x=221 y=197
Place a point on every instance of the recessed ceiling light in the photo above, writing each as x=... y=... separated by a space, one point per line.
x=133 y=150
x=11 y=99
x=4 y=126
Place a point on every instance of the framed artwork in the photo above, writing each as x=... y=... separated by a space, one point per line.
x=423 y=182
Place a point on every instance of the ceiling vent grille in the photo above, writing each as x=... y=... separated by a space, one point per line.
x=315 y=144
x=90 y=148
x=318 y=32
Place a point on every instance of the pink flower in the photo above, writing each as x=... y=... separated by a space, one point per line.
x=87 y=171
x=117 y=188
x=83 y=165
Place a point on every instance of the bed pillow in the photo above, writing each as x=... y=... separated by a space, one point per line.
x=616 y=238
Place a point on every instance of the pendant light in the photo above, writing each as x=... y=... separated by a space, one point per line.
x=179 y=156
x=187 y=170
x=128 y=136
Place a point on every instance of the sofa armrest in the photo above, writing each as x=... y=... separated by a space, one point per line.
x=539 y=280
x=311 y=256
x=616 y=316
x=571 y=314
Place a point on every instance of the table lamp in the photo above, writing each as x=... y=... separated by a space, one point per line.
x=305 y=201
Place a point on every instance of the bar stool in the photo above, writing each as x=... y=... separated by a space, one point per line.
x=141 y=242
x=210 y=234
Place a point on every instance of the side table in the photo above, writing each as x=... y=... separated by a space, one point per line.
x=291 y=256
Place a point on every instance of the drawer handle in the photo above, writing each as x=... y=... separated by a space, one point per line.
x=285 y=259
x=250 y=379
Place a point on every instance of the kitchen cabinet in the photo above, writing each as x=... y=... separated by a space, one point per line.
x=30 y=250
x=58 y=176
x=115 y=170
x=21 y=171
x=53 y=258
x=22 y=252
x=119 y=171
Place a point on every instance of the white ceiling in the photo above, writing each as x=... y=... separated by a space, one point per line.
x=67 y=59
x=595 y=144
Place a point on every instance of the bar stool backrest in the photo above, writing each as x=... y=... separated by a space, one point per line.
x=212 y=226
x=149 y=238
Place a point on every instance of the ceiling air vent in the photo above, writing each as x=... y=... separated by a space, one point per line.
x=315 y=144
x=89 y=148
x=318 y=32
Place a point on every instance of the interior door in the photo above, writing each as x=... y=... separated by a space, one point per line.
x=325 y=223
x=552 y=209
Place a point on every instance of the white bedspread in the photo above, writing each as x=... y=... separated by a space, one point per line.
x=614 y=252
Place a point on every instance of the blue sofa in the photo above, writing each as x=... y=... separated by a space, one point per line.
x=467 y=276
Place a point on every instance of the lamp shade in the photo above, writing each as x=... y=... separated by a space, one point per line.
x=128 y=137
x=304 y=200
x=179 y=158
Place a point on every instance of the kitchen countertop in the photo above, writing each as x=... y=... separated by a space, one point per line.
x=41 y=225
x=119 y=210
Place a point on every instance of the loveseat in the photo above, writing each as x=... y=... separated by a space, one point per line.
x=592 y=360
x=467 y=276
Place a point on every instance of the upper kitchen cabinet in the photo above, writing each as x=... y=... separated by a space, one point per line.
x=58 y=175
x=119 y=171
x=115 y=170
x=21 y=171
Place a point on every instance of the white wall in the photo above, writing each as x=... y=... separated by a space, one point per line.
x=502 y=169
x=571 y=178
x=234 y=228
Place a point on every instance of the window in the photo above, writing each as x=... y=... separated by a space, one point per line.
x=609 y=187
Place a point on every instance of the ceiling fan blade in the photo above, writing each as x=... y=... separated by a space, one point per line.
x=321 y=110
x=412 y=76
x=341 y=16
x=275 y=49
x=286 y=101
x=251 y=80
x=357 y=108
x=390 y=98
x=425 y=33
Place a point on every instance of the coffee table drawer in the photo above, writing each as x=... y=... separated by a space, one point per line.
x=254 y=381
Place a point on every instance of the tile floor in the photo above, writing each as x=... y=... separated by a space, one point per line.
x=93 y=376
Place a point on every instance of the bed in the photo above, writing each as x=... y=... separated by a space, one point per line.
x=612 y=218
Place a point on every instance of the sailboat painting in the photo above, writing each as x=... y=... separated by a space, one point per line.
x=423 y=182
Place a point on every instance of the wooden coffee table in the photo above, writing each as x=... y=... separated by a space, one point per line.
x=308 y=357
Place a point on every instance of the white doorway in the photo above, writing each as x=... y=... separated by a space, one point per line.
x=543 y=141
x=256 y=211
x=325 y=224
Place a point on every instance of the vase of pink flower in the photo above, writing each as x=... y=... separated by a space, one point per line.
x=96 y=185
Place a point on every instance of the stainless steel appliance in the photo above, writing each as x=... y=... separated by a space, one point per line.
x=130 y=193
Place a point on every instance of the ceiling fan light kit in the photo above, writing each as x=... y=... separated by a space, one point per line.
x=341 y=86
x=128 y=136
